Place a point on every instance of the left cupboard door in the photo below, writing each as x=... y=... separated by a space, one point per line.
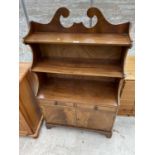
x=58 y=114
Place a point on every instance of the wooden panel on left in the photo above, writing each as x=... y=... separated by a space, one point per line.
x=30 y=117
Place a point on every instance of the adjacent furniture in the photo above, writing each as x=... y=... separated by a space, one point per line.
x=30 y=117
x=127 y=106
x=78 y=71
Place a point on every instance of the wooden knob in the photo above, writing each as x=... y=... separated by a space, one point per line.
x=96 y=108
x=55 y=103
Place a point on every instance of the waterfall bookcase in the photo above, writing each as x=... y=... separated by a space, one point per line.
x=79 y=71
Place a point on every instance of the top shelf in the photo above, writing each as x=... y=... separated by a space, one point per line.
x=78 y=38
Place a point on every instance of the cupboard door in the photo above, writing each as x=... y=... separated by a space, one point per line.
x=58 y=114
x=97 y=118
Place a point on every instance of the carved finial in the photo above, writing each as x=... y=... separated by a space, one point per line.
x=102 y=25
x=96 y=12
x=60 y=12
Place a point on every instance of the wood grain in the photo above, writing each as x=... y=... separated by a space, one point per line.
x=71 y=38
x=23 y=126
x=130 y=68
x=77 y=67
x=59 y=114
x=23 y=69
x=102 y=25
x=87 y=103
x=130 y=77
x=30 y=117
x=127 y=106
x=95 y=119
x=105 y=53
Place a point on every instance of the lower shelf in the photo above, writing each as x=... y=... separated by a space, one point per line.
x=79 y=91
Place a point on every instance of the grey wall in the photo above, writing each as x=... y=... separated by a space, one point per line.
x=115 y=11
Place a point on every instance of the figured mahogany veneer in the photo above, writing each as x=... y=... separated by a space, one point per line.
x=79 y=71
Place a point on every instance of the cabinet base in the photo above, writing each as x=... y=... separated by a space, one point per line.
x=108 y=134
x=36 y=133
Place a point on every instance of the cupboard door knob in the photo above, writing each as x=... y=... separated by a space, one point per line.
x=55 y=103
x=96 y=108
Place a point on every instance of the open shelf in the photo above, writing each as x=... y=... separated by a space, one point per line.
x=79 y=38
x=79 y=69
x=85 y=68
x=89 y=92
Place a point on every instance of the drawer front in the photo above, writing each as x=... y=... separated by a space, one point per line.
x=56 y=113
x=54 y=103
x=96 y=118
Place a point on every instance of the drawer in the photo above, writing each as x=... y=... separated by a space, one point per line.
x=101 y=118
x=56 y=112
x=54 y=102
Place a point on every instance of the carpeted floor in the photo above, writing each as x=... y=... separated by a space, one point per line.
x=68 y=141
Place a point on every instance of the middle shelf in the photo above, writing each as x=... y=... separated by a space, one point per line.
x=78 y=67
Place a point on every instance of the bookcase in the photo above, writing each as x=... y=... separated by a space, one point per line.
x=79 y=71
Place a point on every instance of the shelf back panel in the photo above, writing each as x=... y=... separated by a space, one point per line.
x=81 y=52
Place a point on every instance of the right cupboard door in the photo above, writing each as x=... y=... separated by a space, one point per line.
x=101 y=118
